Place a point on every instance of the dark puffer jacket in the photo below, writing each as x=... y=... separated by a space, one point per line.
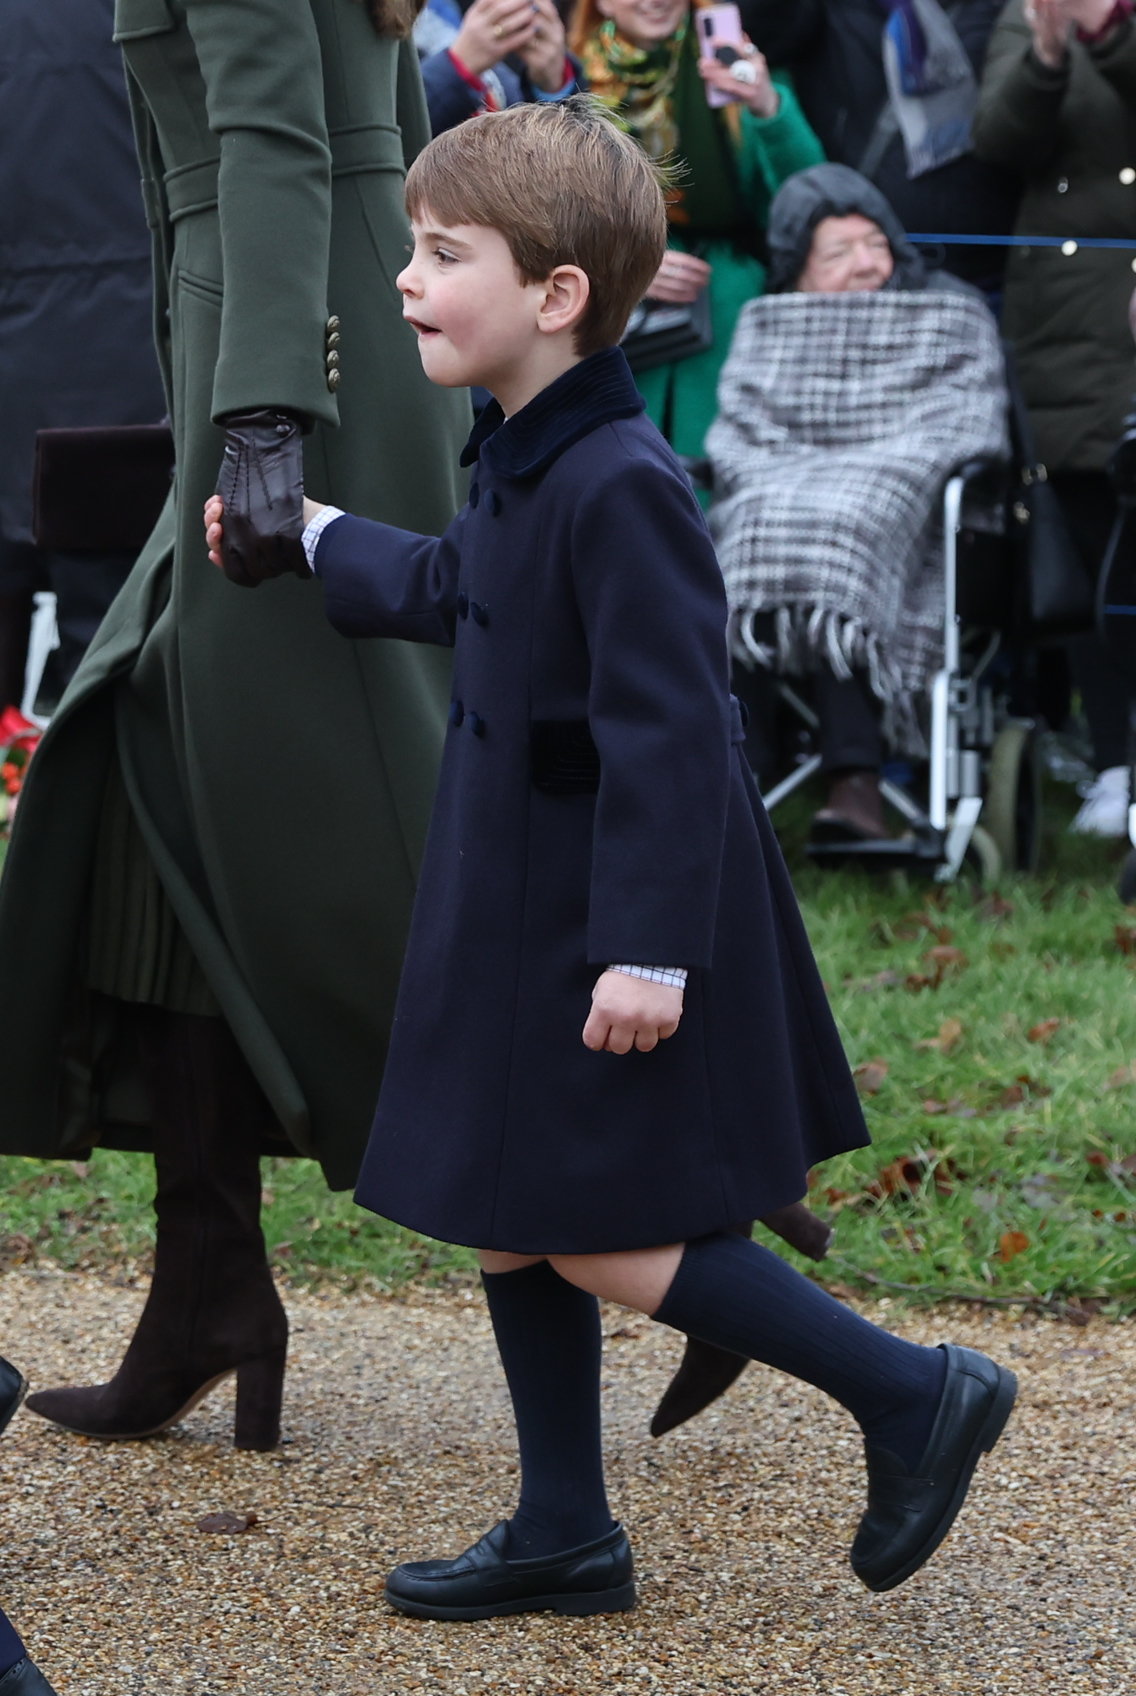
x=834 y=49
x=1072 y=134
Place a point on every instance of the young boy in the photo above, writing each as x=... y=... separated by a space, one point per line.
x=611 y=1039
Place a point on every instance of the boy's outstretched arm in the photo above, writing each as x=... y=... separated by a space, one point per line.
x=378 y=580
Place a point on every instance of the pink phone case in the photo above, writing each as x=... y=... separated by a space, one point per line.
x=717 y=26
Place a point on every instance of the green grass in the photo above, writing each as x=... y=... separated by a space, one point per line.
x=1000 y=1086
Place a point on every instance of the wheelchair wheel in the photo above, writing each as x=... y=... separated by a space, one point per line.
x=1012 y=810
x=982 y=860
x=1126 y=887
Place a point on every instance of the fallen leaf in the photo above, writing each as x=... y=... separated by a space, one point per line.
x=878 y=980
x=1043 y=1031
x=227 y=1522
x=1126 y=938
x=993 y=908
x=950 y=1034
x=945 y=960
x=869 y=1076
x=1012 y=1243
x=1123 y=1076
x=1096 y=1157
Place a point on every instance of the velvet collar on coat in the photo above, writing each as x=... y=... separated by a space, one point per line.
x=598 y=390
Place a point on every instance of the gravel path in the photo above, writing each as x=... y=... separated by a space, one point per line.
x=398 y=1446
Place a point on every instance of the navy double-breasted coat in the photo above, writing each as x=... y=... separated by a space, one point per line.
x=593 y=808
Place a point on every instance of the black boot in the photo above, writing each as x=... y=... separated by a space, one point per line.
x=213 y=1308
x=25 y=1679
x=13 y=1389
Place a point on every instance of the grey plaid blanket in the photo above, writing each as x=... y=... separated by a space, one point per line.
x=840 y=418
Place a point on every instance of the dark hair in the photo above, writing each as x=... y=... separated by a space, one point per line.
x=394 y=18
x=564 y=185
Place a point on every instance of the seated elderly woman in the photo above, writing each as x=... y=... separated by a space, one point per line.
x=852 y=390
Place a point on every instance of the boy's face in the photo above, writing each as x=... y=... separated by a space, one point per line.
x=474 y=315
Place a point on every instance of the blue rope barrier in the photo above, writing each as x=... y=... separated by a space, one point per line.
x=1071 y=242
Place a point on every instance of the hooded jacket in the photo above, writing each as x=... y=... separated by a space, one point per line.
x=836 y=191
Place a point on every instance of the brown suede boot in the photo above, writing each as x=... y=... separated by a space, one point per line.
x=213 y=1308
x=706 y=1371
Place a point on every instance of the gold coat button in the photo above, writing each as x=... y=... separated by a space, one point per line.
x=332 y=324
x=333 y=338
x=333 y=380
x=332 y=360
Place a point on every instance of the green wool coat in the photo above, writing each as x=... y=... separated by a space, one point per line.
x=281 y=776
x=1071 y=134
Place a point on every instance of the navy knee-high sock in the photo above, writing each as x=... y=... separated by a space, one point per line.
x=736 y=1294
x=548 y=1335
x=11 y=1648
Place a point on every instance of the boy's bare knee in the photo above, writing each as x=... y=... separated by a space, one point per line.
x=496 y=1260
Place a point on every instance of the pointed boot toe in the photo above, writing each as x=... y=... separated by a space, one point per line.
x=482 y=1583
x=13 y=1389
x=909 y=1514
x=705 y=1373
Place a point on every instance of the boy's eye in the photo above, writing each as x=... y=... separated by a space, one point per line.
x=444 y=256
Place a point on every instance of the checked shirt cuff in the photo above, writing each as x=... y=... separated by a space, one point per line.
x=309 y=541
x=674 y=977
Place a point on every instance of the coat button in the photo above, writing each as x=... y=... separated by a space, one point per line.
x=333 y=380
x=477 y=724
x=1128 y=176
x=492 y=502
x=480 y=613
x=333 y=338
x=1062 y=185
x=463 y=605
x=474 y=494
x=332 y=324
x=457 y=712
x=332 y=360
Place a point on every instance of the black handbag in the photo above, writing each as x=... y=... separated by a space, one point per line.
x=1056 y=592
x=659 y=333
x=100 y=490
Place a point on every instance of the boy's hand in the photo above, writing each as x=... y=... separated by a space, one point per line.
x=631 y=1013
x=214 y=530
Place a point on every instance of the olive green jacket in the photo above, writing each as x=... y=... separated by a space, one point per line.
x=281 y=776
x=1071 y=134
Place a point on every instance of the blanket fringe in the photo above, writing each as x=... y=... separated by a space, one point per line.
x=803 y=637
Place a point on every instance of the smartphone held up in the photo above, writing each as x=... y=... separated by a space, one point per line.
x=721 y=39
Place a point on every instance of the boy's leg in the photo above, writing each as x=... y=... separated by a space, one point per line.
x=561 y=1549
x=926 y=1414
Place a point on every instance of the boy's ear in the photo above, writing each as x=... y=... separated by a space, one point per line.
x=566 y=295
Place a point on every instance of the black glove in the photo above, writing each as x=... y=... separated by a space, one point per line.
x=261 y=482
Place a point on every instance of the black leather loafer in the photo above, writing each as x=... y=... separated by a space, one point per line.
x=596 y=1578
x=13 y=1389
x=909 y=1514
x=25 y=1679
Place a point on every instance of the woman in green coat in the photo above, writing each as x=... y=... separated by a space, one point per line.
x=643 y=63
x=203 y=912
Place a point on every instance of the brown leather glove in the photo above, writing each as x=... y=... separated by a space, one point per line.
x=261 y=482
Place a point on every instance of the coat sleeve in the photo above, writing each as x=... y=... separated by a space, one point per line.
x=262 y=70
x=450 y=98
x=381 y=581
x=1115 y=59
x=1016 y=124
x=653 y=610
x=774 y=149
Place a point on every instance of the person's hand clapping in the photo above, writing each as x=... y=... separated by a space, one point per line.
x=753 y=87
x=545 y=54
x=493 y=28
x=631 y=1013
x=1050 y=27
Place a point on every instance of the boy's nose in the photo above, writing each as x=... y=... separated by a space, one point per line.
x=405 y=282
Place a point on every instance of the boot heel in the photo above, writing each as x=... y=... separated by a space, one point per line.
x=260 y=1391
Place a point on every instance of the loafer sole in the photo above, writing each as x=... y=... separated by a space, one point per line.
x=987 y=1435
x=618 y=1600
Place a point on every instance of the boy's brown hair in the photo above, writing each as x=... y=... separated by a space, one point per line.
x=564 y=186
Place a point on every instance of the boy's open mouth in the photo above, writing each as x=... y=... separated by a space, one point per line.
x=421 y=329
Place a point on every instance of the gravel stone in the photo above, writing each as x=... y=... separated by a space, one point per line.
x=398 y=1446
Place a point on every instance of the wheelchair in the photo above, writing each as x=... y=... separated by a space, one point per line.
x=976 y=806
x=1116 y=615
